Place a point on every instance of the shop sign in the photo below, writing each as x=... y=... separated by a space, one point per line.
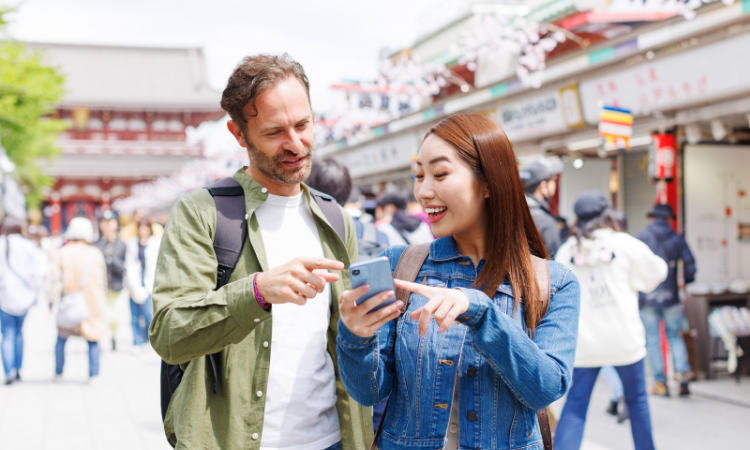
x=662 y=161
x=711 y=72
x=542 y=115
x=386 y=154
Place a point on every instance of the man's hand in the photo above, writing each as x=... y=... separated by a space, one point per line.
x=445 y=304
x=295 y=282
x=356 y=318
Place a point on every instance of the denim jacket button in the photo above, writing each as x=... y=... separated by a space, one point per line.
x=472 y=416
x=472 y=372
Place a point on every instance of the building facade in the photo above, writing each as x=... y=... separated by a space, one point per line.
x=128 y=109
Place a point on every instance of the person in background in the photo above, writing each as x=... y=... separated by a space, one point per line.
x=664 y=301
x=40 y=236
x=140 y=269
x=80 y=266
x=113 y=249
x=400 y=227
x=330 y=176
x=538 y=177
x=617 y=405
x=20 y=281
x=612 y=267
x=130 y=230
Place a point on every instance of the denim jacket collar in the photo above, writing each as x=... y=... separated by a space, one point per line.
x=444 y=249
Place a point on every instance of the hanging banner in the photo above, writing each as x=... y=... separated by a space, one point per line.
x=616 y=126
x=662 y=161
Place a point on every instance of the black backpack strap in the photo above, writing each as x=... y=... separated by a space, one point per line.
x=230 y=236
x=332 y=211
x=231 y=226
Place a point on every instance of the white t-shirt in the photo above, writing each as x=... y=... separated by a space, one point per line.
x=613 y=268
x=300 y=409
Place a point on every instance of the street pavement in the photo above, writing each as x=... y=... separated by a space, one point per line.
x=122 y=410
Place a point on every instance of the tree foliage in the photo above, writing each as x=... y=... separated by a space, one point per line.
x=29 y=91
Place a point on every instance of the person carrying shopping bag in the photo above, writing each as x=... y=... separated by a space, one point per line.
x=140 y=264
x=612 y=267
x=81 y=281
x=476 y=375
x=21 y=279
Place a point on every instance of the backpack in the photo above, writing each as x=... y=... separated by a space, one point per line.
x=407 y=269
x=230 y=236
x=367 y=241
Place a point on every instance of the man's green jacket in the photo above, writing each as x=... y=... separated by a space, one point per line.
x=191 y=320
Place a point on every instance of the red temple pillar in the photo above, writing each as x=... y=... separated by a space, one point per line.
x=56 y=219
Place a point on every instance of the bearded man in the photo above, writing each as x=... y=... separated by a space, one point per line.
x=274 y=323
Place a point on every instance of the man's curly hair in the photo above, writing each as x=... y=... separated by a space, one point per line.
x=252 y=76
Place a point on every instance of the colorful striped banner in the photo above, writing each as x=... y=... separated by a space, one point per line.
x=616 y=126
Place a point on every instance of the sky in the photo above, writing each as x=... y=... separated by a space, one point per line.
x=333 y=39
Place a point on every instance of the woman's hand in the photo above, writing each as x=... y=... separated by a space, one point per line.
x=356 y=318
x=445 y=304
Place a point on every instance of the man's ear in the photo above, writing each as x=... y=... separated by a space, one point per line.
x=236 y=131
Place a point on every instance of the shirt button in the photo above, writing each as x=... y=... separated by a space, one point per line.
x=255 y=435
x=453 y=428
x=265 y=344
x=264 y=190
x=472 y=372
x=259 y=394
x=472 y=416
x=257 y=320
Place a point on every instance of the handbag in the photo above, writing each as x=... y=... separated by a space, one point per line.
x=73 y=308
x=407 y=269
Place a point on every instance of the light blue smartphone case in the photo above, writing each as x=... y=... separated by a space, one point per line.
x=377 y=274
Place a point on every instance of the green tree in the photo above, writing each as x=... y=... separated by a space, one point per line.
x=29 y=91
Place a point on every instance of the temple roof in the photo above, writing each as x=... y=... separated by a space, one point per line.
x=132 y=78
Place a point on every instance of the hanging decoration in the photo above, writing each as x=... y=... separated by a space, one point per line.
x=616 y=126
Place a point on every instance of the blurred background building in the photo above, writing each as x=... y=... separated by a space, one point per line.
x=127 y=110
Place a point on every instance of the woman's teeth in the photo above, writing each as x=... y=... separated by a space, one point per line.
x=435 y=211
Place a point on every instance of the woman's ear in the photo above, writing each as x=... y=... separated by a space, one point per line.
x=483 y=185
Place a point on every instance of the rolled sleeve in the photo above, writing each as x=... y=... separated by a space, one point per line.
x=477 y=308
x=242 y=305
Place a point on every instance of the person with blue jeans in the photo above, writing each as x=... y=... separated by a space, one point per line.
x=475 y=376
x=664 y=302
x=94 y=353
x=612 y=267
x=140 y=263
x=12 y=345
x=20 y=282
x=80 y=267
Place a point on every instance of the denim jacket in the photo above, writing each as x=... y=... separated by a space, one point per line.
x=503 y=375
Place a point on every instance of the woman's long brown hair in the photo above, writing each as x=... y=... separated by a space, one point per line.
x=512 y=236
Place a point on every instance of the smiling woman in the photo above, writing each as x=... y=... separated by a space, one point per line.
x=475 y=375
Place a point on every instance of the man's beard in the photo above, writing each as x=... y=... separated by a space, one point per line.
x=273 y=167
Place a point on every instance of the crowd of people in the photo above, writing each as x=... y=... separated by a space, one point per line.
x=499 y=309
x=81 y=279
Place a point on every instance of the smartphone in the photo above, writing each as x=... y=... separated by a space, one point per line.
x=377 y=274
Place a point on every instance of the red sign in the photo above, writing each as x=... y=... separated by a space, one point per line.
x=663 y=157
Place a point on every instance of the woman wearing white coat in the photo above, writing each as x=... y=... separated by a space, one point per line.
x=140 y=266
x=612 y=268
